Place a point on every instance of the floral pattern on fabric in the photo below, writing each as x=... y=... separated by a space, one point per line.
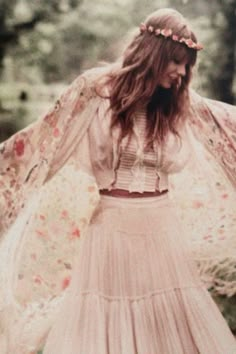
x=53 y=239
x=214 y=125
x=42 y=247
x=27 y=157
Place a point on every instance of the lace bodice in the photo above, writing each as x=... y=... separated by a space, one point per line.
x=141 y=169
x=129 y=165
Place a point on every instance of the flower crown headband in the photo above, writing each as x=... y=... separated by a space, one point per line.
x=168 y=33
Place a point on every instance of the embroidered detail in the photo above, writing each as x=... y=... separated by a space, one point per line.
x=149 y=294
x=138 y=169
x=19 y=147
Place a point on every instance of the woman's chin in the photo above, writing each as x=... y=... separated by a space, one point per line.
x=166 y=85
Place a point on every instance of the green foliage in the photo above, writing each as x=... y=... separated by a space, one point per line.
x=72 y=35
x=205 y=67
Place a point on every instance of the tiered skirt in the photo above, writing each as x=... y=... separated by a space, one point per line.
x=135 y=288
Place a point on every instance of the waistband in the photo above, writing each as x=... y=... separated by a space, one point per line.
x=121 y=193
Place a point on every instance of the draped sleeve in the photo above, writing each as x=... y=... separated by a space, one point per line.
x=36 y=253
x=33 y=155
x=37 y=179
x=213 y=123
x=205 y=192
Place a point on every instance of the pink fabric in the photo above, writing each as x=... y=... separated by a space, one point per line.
x=135 y=288
x=39 y=171
x=130 y=165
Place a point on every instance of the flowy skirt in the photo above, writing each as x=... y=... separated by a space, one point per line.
x=135 y=288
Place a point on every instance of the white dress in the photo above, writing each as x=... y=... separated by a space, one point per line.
x=135 y=288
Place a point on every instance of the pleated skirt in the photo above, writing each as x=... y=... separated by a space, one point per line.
x=135 y=288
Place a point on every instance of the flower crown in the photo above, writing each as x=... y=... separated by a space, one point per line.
x=168 y=33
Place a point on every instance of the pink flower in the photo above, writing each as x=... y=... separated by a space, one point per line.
x=157 y=31
x=38 y=279
x=51 y=119
x=190 y=43
x=64 y=214
x=199 y=46
x=66 y=282
x=75 y=232
x=56 y=132
x=167 y=32
x=19 y=147
x=175 y=38
x=150 y=29
x=182 y=40
x=142 y=27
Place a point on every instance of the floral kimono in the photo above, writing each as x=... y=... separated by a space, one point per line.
x=47 y=200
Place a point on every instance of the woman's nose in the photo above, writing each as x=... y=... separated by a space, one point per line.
x=181 y=69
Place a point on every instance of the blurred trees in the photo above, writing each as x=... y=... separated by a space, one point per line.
x=53 y=40
x=223 y=75
x=44 y=42
x=20 y=18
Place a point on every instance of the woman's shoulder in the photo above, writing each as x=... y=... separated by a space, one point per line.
x=98 y=79
x=92 y=77
x=84 y=87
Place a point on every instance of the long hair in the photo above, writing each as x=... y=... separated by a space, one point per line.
x=138 y=80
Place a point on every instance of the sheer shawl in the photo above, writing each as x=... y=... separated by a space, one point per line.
x=46 y=203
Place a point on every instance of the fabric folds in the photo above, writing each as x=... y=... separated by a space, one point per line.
x=139 y=291
x=43 y=213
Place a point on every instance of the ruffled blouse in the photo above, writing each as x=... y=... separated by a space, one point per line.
x=130 y=165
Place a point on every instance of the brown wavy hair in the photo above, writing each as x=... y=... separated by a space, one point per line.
x=137 y=81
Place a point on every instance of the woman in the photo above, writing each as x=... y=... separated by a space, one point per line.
x=138 y=290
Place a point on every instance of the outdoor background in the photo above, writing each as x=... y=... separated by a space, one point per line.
x=45 y=44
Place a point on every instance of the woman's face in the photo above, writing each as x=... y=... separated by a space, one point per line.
x=173 y=74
